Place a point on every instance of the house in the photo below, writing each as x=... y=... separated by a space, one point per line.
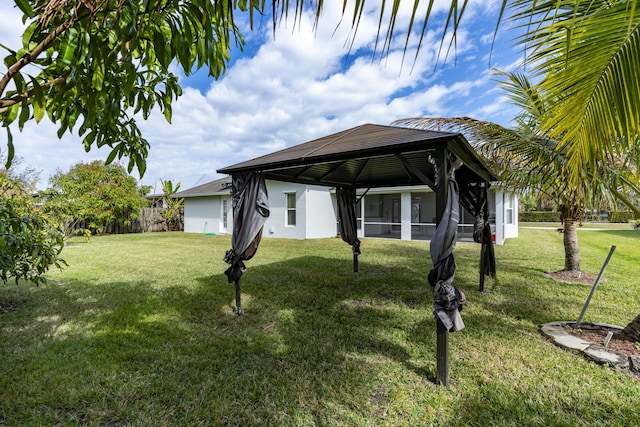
x=303 y=211
x=396 y=173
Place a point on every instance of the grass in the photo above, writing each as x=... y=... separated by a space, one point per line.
x=139 y=330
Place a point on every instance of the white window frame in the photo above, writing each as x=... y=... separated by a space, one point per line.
x=225 y=213
x=508 y=209
x=290 y=195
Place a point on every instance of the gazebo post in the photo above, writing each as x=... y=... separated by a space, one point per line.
x=442 y=334
x=238 y=309
x=481 y=288
x=442 y=353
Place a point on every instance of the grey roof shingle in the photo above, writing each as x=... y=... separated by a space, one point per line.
x=217 y=187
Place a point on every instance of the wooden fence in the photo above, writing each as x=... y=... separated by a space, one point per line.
x=149 y=220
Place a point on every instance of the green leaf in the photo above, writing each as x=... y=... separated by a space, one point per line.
x=69 y=48
x=18 y=80
x=167 y=108
x=28 y=33
x=112 y=156
x=97 y=78
x=25 y=7
x=9 y=60
x=11 y=114
x=160 y=48
x=10 y=149
x=141 y=163
x=37 y=100
x=25 y=113
x=62 y=129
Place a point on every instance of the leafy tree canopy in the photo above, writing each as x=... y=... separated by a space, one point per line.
x=29 y=244
x=97 y=193
x=93 y=65
x=27 y=175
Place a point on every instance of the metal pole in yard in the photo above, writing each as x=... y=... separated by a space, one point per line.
x=442 y=353
x=238 y=309
x=593 y=288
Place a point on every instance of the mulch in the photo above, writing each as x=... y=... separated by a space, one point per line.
x=595 y=334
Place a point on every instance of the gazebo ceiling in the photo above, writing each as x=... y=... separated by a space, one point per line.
x=368 y=156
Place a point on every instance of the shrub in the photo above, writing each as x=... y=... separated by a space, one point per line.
x=539 y=216
x=29 y=244
x=621 y=216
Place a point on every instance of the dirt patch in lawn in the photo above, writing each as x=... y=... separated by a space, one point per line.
x=571 y=277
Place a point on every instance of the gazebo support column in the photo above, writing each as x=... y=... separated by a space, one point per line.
x=442 y=353
x=238 y=310
x=481 y=287
x=442 y=334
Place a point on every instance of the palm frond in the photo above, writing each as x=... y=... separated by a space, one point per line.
x=588 y=56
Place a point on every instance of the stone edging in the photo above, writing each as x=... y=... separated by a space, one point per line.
x=598 y=353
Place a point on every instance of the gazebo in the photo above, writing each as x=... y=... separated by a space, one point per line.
x=371 y=156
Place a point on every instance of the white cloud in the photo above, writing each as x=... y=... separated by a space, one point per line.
x=299 y=85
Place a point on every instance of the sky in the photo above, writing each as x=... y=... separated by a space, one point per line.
x=296 y=85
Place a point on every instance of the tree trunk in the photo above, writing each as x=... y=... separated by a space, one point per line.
x=631 y=332
x=571 y=252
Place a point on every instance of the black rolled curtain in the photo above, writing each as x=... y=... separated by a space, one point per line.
x=250 y=211
x=474 y=197
x=348 y=225
x=448 y=300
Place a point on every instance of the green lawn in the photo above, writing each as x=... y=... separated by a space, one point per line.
x=139 y=331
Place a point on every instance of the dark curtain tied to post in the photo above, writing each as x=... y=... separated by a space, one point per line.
x=448 y=300
x=346 y=199
x=250 y=211
x=474 y=197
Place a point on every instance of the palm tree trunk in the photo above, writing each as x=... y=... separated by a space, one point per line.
x=631 y=332
x=571 y=252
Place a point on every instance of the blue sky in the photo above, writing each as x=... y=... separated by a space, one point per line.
x=297 y=85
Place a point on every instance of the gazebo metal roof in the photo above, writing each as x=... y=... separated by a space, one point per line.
x=369 y=156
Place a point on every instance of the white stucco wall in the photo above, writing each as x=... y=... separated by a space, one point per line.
x=201 y=211
x=321 y=213
x=506 y=223
x=276 y=225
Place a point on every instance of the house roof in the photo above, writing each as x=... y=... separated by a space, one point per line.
x=217 y=187
x=186 y=182
x=368 y=156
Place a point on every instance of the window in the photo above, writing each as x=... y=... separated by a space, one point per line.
x=508 y=211
x=225 y=219
x=291 y=209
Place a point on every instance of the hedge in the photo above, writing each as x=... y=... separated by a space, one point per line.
x=554 y=216
x=621 y=216
x=539 y=216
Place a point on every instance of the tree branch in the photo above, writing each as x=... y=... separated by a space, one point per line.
x=6 y=103
x=30 y=57
x=624 y=199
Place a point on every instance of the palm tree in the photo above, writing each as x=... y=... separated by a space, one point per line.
x=586 y=53
x=528 y=160
x=588 y=56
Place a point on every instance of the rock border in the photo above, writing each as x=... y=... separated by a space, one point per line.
x=596 y=352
